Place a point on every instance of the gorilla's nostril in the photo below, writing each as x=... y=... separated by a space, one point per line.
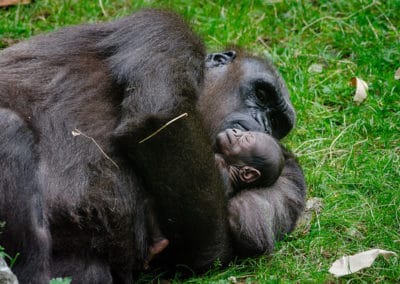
x=221 y=58
x=230 y=54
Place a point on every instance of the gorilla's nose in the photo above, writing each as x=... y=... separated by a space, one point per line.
x=220 y=59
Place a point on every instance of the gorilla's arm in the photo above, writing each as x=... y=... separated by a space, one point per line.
x=162 y=80
x=260 y=217
x=21 y=201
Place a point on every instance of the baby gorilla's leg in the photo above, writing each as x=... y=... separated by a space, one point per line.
x=157 y=247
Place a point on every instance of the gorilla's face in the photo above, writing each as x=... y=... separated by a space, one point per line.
x=246 y=93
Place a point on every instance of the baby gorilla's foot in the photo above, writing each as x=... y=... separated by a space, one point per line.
x=157 y=247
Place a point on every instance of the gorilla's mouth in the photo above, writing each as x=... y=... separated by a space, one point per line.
x=244 y=122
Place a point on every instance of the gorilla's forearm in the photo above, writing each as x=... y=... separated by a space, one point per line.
x=259 y=217
x=191 y=205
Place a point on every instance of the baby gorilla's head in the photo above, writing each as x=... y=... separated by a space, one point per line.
x=250 y=159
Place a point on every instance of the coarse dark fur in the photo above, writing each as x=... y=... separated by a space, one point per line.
x=260 y=217
x=74 y=105
x=21 y=200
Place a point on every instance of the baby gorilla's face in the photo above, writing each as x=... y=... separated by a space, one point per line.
x=236 y=145
x=250 y=158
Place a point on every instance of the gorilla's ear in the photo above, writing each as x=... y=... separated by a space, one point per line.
x=248 y=174
x=220 y=59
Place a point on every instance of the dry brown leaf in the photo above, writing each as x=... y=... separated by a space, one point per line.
x=6 y=275
x=315 y=68
x=313 y=207
x=397 y=74
x=353 y=263
x=361 y=89
x=4 y=3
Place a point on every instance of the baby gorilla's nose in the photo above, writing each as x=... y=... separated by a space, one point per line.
x=236 y=131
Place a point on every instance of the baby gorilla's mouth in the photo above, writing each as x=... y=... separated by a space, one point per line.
x=240 y=126
x=223 y=141
x=228 y=136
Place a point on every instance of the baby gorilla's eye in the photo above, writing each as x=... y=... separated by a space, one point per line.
x=247 y=138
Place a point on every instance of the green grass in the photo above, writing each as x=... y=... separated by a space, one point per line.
x=350 y=153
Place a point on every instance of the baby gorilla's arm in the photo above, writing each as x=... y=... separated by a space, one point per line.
x=224 y=170
x=273 y=162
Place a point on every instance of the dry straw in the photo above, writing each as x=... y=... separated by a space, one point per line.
x=162 y=127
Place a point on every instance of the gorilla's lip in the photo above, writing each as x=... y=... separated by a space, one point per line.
x=245 y=126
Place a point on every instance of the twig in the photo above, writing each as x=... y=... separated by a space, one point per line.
x=77 y=132
x=102 y=8
x=164 y=126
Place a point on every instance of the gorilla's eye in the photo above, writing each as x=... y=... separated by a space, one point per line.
x=261 y=95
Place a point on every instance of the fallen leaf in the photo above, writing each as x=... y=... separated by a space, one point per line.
x=361 y=89
x=313 y=206
x=315 y=68
x=5 y=3
x=350 y=264
x=6 y=275
x=397 y=74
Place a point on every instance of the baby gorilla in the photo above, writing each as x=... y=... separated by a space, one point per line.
x=246 y=159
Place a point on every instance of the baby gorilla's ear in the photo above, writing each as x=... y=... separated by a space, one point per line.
x=249 y=174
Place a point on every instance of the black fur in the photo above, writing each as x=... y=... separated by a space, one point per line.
x=260 y=217
x=21 y=200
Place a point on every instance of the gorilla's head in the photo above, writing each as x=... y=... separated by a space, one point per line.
x=251 y=95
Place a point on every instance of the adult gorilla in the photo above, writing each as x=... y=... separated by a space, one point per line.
x=75 y=182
